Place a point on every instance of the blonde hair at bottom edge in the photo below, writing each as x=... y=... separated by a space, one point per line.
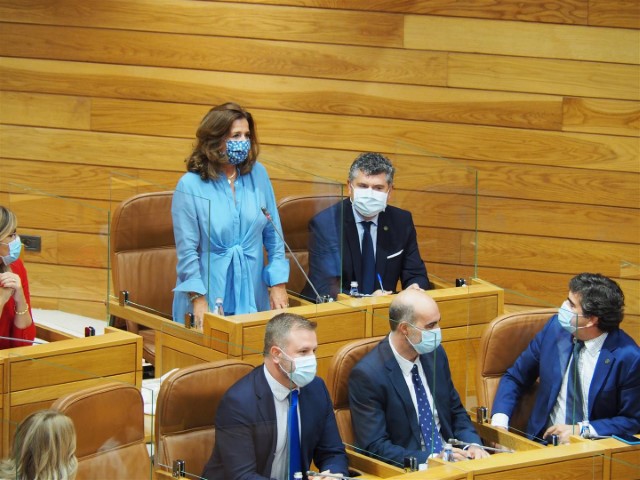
x=44 y=448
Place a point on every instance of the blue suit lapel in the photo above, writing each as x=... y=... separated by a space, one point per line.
x=564 y=342
x=400 y=386
x=266 y=411
x=352 y=244
x=382 y=245
x=606 y=360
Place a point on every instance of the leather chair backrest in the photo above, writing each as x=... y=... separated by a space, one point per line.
x=295 y=213
x=338 y=381
x=186 y=410
x=143 y=251
x=109 y=424
x=501 y=343
x=143 y=257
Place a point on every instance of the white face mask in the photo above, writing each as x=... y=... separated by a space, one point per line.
x=369 y=202
x=568 y=318
x=304 y=369
x=430 y=340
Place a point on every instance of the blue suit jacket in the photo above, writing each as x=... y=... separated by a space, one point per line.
x=246 y=431
x=614 y=394
x=397 y=254
x=383 y=416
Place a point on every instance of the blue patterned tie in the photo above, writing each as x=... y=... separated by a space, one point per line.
x=575 y=408
x=368 y=260
x=430 y=434
x=295 y=460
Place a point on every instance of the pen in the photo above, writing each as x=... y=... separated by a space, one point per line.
x=380 y=282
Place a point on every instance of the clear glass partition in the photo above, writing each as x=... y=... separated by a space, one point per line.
x=63 y=238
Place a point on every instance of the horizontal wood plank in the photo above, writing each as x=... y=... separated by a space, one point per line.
x=335 y=97
x=554 y=255
x=79 y=147
x=248 y=55
x=51 y=110
x=615 y=13
x=592 y=115
x=231 y=20
x=82 y=181
x=543 y=75
x=554 y=11
x=91 y=309
x=611 y=45
x=68 y=282
x=367 y=134
x=563 y=220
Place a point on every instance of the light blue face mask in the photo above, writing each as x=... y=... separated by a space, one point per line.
x=238 y=151
x=15 y=247
x=304 y=369
x=431 y=340
x=568 y=318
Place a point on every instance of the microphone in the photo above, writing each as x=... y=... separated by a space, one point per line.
x=460 y=443
x=319 y=298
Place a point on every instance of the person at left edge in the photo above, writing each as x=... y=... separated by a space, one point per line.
x=251 y=434
x=16 y=322
x=219 y=227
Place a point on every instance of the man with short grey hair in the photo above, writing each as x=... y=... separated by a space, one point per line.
x=363 y=239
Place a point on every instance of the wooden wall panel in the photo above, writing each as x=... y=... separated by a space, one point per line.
x=401 y=136
x=51 y=110
x=542 y=75
x=310 y=95
x=521 y=39
x=615 y=13
x=537 y=102
x=555 y=11
x=231 y=20
x=247 y=55
x=592 y=115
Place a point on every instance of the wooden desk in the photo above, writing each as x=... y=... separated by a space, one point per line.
x=32 y=378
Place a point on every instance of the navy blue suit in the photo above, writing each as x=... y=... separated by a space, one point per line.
x=246 y=431
x=397 y=253
x=383 y=416
x=614 y=393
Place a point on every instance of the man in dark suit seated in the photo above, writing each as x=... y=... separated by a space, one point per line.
x=377 y=242
x=260 y=416
x=601 y=387
x=402 y=399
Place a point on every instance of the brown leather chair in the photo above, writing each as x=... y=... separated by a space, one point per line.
x=186 y=410
x=338 y=381
x=143 y=257
x=503 y=340
x=109 y=423
x=295 y=214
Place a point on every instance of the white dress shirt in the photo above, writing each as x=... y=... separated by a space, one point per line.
x=405 y=367
x=280 y=466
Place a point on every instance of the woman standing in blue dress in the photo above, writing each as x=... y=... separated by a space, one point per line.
x=219 y=225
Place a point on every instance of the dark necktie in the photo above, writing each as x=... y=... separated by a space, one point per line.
x=574 y=412
x=295 y=460
x=368 y=270
x=430 y=433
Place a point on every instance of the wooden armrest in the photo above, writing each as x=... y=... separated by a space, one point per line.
x=372 y=466
x=514 y=441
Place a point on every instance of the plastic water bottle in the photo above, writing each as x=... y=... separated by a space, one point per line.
x=354 y=289
x=447 y=456
x=219 y=310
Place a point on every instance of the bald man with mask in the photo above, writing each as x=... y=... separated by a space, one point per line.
x=403 y=402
